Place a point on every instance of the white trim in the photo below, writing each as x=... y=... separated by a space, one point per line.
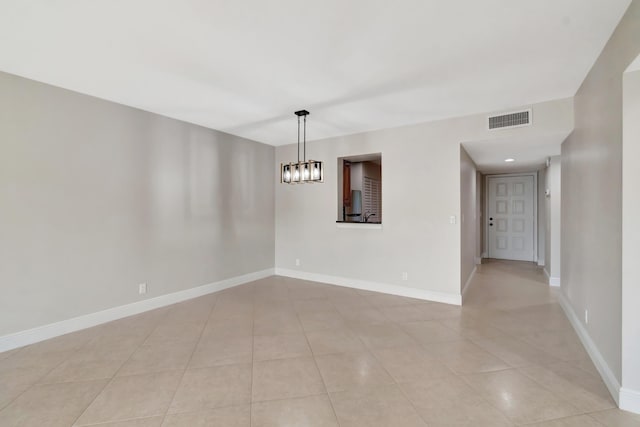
x=596 y=357
x=553 y=281
x=630 y=400
x=365 y=225
x=40 y=333
x=484 y=255
x=444 y=297
x=540 y=263
x=478 y=260
x=468 y=283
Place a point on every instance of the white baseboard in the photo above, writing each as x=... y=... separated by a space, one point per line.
x=40 y=333
x=553 y=281
x=468 y=283
x=478 y=260
x=596 y=357
x=629 y=400
x=540 y=263
x=484 y=255
x=403 y=291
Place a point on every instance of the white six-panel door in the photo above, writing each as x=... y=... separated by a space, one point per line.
x=511 y=217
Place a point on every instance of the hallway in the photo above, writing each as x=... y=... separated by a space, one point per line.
x=283 y=351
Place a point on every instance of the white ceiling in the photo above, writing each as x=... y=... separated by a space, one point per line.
x=245 y=66
x=529 y=152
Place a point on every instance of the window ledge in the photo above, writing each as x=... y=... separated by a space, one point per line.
x=361 y=225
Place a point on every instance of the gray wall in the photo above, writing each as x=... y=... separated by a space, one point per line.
x=553 y=219
x=96 y=197
x=468 y=206
x=592 y=193
x=420 y=191
x=631 y=235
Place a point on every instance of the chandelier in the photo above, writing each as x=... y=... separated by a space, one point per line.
x=306 y=171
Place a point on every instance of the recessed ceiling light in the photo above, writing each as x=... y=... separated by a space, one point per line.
x=509 y=160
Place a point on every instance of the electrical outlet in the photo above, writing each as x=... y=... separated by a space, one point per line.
x=142 y=288
x=297 y=262
x=452 y=219
x=586 y=317
x=405 y=275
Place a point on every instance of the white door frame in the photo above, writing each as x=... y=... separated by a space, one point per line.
x=535 y=209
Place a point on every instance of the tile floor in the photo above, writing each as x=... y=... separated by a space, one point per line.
x=286 y=352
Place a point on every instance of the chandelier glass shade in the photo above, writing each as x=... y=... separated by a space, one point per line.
x=302 y=171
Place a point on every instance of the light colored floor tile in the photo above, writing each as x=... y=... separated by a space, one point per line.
x=345 y=371
x=15 y=380
x=51 y=404
x=312 y=411
x=217 y=328
x=277 y=324
x=137 y=422
x=339 y=292
x=375 y=407
x=286 y=378
x=616 y=418
x=385 y=300
x=177 y=333
x=576 y=386
x=563 y=344
x=511 y=318
x=313 y=305
x=167 y=356
x=411 y=364
x=320 y=320
x=363 y=315
x=437 y=311
x=514 y=352
x=306 y=293
x=130 y=397
x=464 y=357
x=334 y=341
x=5 y=354
x=81 y=369
x=429 y=331
x=230 y=416
x=226 y=350
x=266 y=347
x=586 y=365
x=404 y=313
x=451 y=402
x=471 y=327
x=520 y=398
x=575 y=421
x=383 y=335
x=209 y=388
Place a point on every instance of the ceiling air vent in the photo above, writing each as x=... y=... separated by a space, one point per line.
x=509 y=120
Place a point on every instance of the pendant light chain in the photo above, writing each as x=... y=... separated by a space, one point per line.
x=298 y=139
x=304 y=145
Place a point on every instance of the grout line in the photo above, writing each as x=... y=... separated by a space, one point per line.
x=186 y=366
x=313 y=357
x=115 y=373
x=36 y=382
